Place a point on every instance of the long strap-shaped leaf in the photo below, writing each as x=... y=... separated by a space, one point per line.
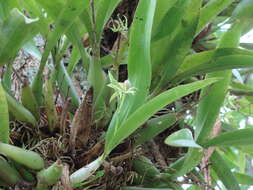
x=74 y=36
x=143 y=113
x=14 y=32
x=139 y=63
x=154 y=127
x=243 y=179
x=35 y=11
x=104 y=11
x=66 y=85
x=191 y=160
x=177 y=48
x=4 y=120
x=210 y=103
x=53 y=8
x=243 y=10
x=219 y=64
x=162 y=7
x=210 y=10
x=193 y=61
x=5 y=8
x=233 y=138
x=223 y=172
x=67 y=16
x=168 y=25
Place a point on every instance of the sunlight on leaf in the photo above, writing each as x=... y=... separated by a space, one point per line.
x=182 y=138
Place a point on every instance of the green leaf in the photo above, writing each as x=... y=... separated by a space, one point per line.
x=174 y=166
x=139 y=62
x=14 y=32
x=19 y=111
x=67 y=16
x=181 y=138
x=5 y=8
x=243 y=179
x=6 y=82
x=239 y=88
x=162 y=8
x=247 y=149
x=154 y=127
x=194 y=187
x=34 y=10
x=53 y=8
x=144 y=166
x=24 y=172
x=74 y=58
x=170 y=57
x=210 y=10
x=50 y=175
x=167 y=25
x=28 y=158
x=233 y=138
x=203 y=62
x=218 y=64
x=247 y=45
x=103 y=13
x=49 y=105
x=223 y=172
x=30 y=47
x=9 y=175
x=188 y=163
x=144 y=112
x=66 y=85
x=74 y=32
x=243 y=10
x=4 y=121
x=74 y=35
x=29 y=101
x=212 y=100
x=241 y=162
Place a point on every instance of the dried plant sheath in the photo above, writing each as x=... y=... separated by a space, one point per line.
x=81 y=124
x=50 y=106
